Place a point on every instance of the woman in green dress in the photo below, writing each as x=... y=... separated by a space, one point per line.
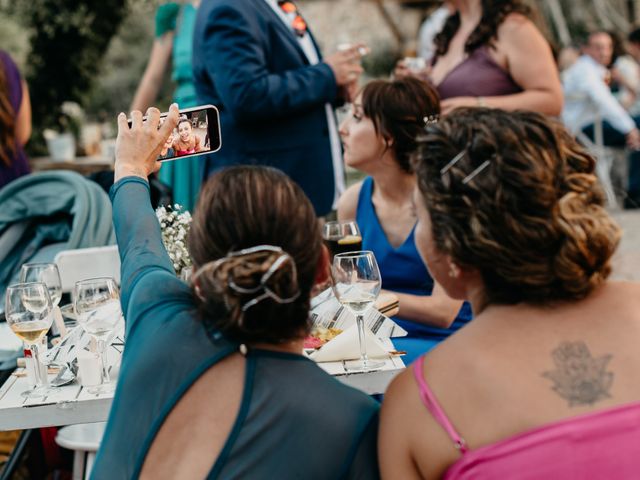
x=173 y=44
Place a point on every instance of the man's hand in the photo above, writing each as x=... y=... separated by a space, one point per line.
x=633 y=139
x=138 y=146
x=346 y=64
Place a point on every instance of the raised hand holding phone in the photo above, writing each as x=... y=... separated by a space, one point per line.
x=139 y=144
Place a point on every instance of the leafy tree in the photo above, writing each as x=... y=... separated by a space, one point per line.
x=68 y=41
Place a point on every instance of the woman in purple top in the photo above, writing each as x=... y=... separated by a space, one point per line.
x=490 y=54
x=15 y=121
x=543 y=383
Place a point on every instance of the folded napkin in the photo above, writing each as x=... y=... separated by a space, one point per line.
x=345 y=346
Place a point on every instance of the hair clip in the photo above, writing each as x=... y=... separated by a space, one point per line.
x=453 y=161
x=472 y=175
x=431 y=119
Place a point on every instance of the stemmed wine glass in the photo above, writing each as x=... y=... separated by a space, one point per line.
x=28 y=312
x=97 y=306
x=341 y=237
x=356 y=285
x=46 y=273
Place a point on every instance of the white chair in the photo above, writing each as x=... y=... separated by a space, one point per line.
x=84 y=440
x=604 y=155
x=86 y=263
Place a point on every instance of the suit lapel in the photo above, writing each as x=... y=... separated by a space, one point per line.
x=286 y=31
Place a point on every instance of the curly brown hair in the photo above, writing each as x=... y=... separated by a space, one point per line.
x=532 y=222
x=243 y=207
x=397 y=109
x=494 y=13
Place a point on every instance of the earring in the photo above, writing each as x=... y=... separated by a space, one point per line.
x=454 y=271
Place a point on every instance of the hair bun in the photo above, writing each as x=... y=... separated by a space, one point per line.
x=247 y=277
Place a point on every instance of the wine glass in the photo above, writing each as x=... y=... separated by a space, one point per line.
x=356 y=285
x=97 y=306
x=28 y=313
x=341 y=237
x=46 y=273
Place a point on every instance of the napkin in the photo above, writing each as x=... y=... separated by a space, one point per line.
x=345 y=346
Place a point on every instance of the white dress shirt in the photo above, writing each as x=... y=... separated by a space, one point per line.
x=588 y=98
x=311 y=53
x=431 y=27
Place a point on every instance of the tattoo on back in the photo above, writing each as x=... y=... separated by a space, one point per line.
x=579 y=377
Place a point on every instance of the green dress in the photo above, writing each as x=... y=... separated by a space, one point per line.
x=183 y=175
x=295 y=421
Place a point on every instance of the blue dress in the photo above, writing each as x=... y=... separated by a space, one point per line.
x=402 y=271
x=295 y=420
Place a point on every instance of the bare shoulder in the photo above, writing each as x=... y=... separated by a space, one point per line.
x=348 y=202
x=518 y=27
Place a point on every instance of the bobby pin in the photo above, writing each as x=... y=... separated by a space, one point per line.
x=453 y=161
x=472 y=175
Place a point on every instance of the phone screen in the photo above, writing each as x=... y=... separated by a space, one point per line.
x=197 y=133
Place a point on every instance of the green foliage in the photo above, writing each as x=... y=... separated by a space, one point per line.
x=68 y=41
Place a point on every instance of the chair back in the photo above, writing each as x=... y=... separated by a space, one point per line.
x=84 y=263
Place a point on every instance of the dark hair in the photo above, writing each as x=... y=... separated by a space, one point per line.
x=7 y=121
x=532 y=222
x=634 y=36
x=398 y=110
x=619 y=49
x=183 y=120
x=243 y=207
x=494 y=13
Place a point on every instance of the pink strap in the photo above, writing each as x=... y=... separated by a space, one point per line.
x=429 y=401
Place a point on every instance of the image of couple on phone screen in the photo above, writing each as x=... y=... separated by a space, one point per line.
x=189 y=137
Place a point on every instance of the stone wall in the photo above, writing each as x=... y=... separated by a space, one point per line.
x=342 y=21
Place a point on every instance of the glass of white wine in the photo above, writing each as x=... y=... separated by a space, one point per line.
x=28 y=312
x=356 y=285
x=97 y=308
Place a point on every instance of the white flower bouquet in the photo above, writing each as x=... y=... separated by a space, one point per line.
x=175 y=224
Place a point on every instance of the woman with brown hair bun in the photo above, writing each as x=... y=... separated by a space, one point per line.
x=544 y=382
x=213 y=382
x=379 y=137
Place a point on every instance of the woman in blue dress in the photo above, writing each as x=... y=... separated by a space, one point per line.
x=173 y=45
x=379 y=137
x=213 y=383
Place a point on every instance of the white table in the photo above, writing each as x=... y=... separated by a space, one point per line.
x=72 y=404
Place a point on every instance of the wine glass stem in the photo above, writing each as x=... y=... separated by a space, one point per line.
x=38 y=367
x=104 y=372
x=362 y=339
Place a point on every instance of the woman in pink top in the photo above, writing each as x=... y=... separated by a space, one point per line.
x=543 y=383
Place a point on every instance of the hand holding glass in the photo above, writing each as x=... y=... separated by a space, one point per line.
x=97 y=306
x=28 y=312
x=356 y=285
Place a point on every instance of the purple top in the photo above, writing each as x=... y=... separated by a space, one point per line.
x=477 y=76
x=19 y=165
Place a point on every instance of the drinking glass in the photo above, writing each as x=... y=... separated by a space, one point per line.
x=28 y=313
x=97 y=306
x=46 y=273
x=356 y=285
x=342 y=237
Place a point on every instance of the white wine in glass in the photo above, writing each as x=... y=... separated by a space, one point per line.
x=28 y=313
x=356 y=285
x=97 y=308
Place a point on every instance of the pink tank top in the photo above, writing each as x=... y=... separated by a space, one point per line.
x=597 y=445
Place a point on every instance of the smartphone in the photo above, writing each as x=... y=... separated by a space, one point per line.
x=197 y=133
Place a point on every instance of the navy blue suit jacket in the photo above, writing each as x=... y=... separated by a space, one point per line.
x=249 y=64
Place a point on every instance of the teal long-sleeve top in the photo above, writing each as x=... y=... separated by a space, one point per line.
x=295 y=421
